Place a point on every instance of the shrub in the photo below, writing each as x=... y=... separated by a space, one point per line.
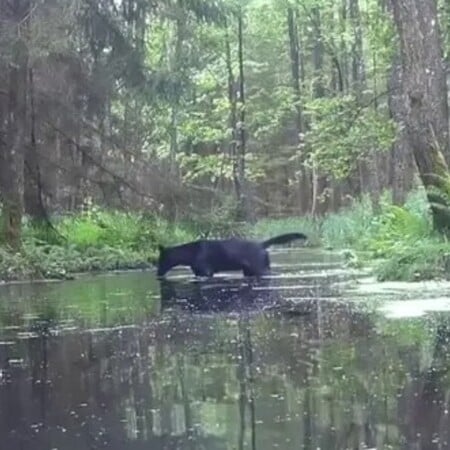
x=425 y=260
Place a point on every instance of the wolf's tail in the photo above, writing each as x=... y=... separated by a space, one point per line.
x=283 y=239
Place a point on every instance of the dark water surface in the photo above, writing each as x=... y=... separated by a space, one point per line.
x=296 y=361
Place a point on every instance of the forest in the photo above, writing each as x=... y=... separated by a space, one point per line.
x=129 y=123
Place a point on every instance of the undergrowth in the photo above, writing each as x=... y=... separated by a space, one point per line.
x=93 y=241
x=404 y=240
x=398 y=241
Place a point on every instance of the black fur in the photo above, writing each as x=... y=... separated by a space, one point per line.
x=207 y=257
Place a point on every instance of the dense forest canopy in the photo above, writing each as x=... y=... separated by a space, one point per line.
x=265 y=107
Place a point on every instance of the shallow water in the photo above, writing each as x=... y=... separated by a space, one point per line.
x=308 y=358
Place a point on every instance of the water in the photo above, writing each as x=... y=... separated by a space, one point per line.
x=300 y=360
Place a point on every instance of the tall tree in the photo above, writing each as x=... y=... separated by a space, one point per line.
x=401 y=163
x=13 y=117
x=319 y=180
x=232 y=100
x=296 y=73
x=426 y=112
x=244 y=199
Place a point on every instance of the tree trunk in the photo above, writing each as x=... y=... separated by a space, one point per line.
x=294 y=49
x=319 y=201
x=233 y=116
x=176 y=67
x=13 y=129
x=295 y=66
x=358 y=69
x=34 y=205
x=244 y=207
x=401 y=163
x=342 y=81
x=368 y=166
x=426 y=108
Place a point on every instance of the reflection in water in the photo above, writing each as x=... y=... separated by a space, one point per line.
x=426 y=400
x=220 y=295
x=122 y=363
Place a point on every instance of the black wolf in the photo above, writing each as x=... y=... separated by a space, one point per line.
x=207 y=257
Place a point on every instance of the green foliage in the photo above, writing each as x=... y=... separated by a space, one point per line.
x=402 y=242
x=413 y=261
x=101 y=228
x=97 y=240
x=207 y=167
x=399 y=241
x=15 y=266
x=342 y=127
x=346 y=228
x=341 y=133
x=220 y=222
x=395 y=228
x=405 y=240
x=121 y=230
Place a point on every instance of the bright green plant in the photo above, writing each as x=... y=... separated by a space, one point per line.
x=341 y=133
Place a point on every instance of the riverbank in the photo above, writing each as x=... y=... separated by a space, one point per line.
x=95 y=241
x=398 y=243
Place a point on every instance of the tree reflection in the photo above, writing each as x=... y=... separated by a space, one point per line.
x=228 y=374
x=246 y=379
x=426 y=400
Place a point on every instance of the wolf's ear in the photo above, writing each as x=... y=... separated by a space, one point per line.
x=161 y=249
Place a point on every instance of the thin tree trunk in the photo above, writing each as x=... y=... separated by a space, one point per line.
x=175 y=67
x=319 y=204
x=294 y=48
x=358 y=69
x=343 y=80
x=13 y=129
x=295 y=66
x=232 y=117
x=33 y=195
x=369 y=167
x=244 y=207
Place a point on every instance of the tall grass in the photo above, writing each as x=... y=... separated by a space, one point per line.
x=399 y=241
x=348 y=227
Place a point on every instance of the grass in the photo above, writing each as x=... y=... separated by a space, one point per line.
x=405 y=244
x=399 y=241
x=346 y=228
x=94 y=241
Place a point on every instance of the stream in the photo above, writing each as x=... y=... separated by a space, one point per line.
x=316 y=356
